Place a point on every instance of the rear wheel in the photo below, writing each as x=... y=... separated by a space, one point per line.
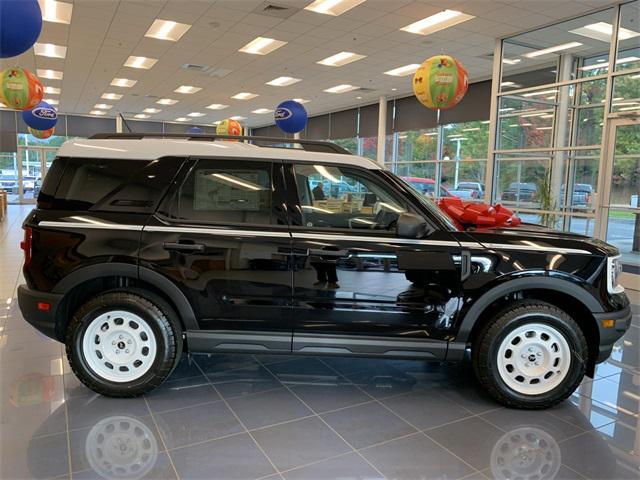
x=532 y=355
x=123 y=344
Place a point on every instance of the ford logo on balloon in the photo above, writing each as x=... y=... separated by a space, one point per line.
x=42 y=112
x=41 y=117
x=290 y=116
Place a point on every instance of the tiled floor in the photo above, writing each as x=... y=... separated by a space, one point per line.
x=245 y=417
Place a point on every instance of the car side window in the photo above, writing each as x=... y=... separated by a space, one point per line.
x=339 y=197
x=226 y=192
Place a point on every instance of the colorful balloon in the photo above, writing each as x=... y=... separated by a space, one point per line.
x=20 y=26
x=291 y=116
x=41 y=117
x=440 y=82
x=41 y=134
x=20 y=89
x=229 y=127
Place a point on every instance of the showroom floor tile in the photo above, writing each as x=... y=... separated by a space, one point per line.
x=294 y=418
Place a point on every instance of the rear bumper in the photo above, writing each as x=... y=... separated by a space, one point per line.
x=43 y=321
x=609 y=336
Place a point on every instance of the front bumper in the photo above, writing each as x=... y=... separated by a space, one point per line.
x=609 y=336
x=43 y=321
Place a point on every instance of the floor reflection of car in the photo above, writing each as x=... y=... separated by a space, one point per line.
x=520 y=192
x=427 y=186
x=476 y=189
x=581 y=196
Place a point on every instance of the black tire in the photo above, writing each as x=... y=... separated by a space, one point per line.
x=160 y=317
x=486 y=345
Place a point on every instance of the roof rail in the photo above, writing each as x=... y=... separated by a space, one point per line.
x=309 y=145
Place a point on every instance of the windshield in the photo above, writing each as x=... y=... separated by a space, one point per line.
x=430 y=204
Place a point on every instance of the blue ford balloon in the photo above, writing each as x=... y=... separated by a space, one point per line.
x=291 y=116
x=41 y=117
x=20 y=26
x=195 y=130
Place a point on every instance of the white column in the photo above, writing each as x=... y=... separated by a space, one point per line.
x=489 y=184
x=382 y=128
x=118 y=124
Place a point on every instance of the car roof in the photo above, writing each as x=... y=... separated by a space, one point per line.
x=154 y=148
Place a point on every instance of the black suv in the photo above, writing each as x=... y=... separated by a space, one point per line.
x=141 y=248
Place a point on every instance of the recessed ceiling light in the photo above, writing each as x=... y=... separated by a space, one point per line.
x=152 y=110
x=394 y=89
x=187 y=89
x=511 y=61
x=244 y=96
x=140 y=62
x=50 y=50
x=141 y=115
x=56 y=12
x=103 y=106
x=332 y=7
x=606 y=65
x=123 y=82
x=167 y=101
x=300 y=100
x=341 y=88
x=217 y=106
x=283 y=81
x=262 y=111
x=403 y=71
x=217 y=122
x=262 y=46
x=359 y=98
x=182 y=119
x=97 y=112
x=602 y=31
x=340 y=59
x=196 y=114
x=555 y=48
x=52 y=90
x=52 y=101
x=437 y=22
x=167 y=30
x=238 y=118
x=51 y=74
x=111 y=96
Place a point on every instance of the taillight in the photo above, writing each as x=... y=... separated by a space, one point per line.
x=26 y=244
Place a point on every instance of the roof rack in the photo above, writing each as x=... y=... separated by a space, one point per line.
x=309 y=145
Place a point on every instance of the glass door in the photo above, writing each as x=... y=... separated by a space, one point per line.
x=32 y=165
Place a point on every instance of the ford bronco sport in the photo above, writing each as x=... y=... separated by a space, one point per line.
x=146 y=246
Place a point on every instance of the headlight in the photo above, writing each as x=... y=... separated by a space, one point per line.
x=614 y=269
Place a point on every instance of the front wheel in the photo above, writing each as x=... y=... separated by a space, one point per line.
x=532 y=355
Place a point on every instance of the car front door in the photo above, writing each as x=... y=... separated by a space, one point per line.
x=221 y=236
x=359 y=288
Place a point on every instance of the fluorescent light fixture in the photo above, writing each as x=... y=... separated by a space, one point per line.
x=511 y=61
x=52 y=90
x=50 y=50
x=196 y=114
x=544 y=128
x=50 y=74
x=606 y=65
x=182 y=119
x=602 y=31
x=508 y=109
x=341 y=88
x=541 y=92
x=236 y=181
x=484 y=122
x=547 y=115
x=141 y=115
x=123 y=82
x=302 y=100
x=283 y=81
x=637 y=107
x=111 y=96
x=97 y=112
x=635 y=76
x=474 y=129
x=403 y=71
x=187 y=89
x=103 y=106
x=332 y=7
x=217 y=106
x=244 y=96
x=322 y=170
x=56 y=12
x=340 y=59
x=140 y=62
x=437 y=22
x=262 y=46
x=238 y=118
x=152 y=110
x=167 y=101
x=430 y=134
x=52 y=101
x=526 y=124
x=555 y=48
x=261 y=111
x=167 y=30
x=510 y=84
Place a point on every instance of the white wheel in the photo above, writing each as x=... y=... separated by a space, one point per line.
x=526 y=453
x=119 y=346
x=534 y=359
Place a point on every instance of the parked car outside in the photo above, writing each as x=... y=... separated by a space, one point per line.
x=476 y=188
x=520 y=192
x=427 y=186
x=582 y=194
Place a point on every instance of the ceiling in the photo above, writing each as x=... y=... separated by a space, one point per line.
x=102 y=34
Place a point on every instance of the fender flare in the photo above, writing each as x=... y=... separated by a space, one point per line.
x=162 y=283
x=529 y=283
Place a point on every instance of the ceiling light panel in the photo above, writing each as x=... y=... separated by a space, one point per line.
x=123 y=82
x=332 y=7
x=244 y=96
x=605 y=65
x=111 y=96
x=511 y=61
x=341 y=88
x=141 y=115
x=437 y=22
x=262 y=46
x=300 y=100
x=283 y=81
x=217 y=106
x=140 y=62
x=52 y=90
x=182 y=119
x=602 y=31
x=238 y=118
x=50 y=74
x=403 y=71
x=187 y=89
x=196 y=114
x=51 y=101
x=97 y=112
x=167 y=30
x=152 y=110
x=555 y=48
x=262 y=111
x=340 y=59
x=49 y=50
x=167 y=101
x=56 y=12
x=103 y=106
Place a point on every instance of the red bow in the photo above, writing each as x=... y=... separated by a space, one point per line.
x=478 y=214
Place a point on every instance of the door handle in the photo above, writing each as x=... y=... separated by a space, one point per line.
x=184 y=247
x=328 y=253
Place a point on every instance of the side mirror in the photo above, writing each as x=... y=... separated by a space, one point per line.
x=411 y=225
